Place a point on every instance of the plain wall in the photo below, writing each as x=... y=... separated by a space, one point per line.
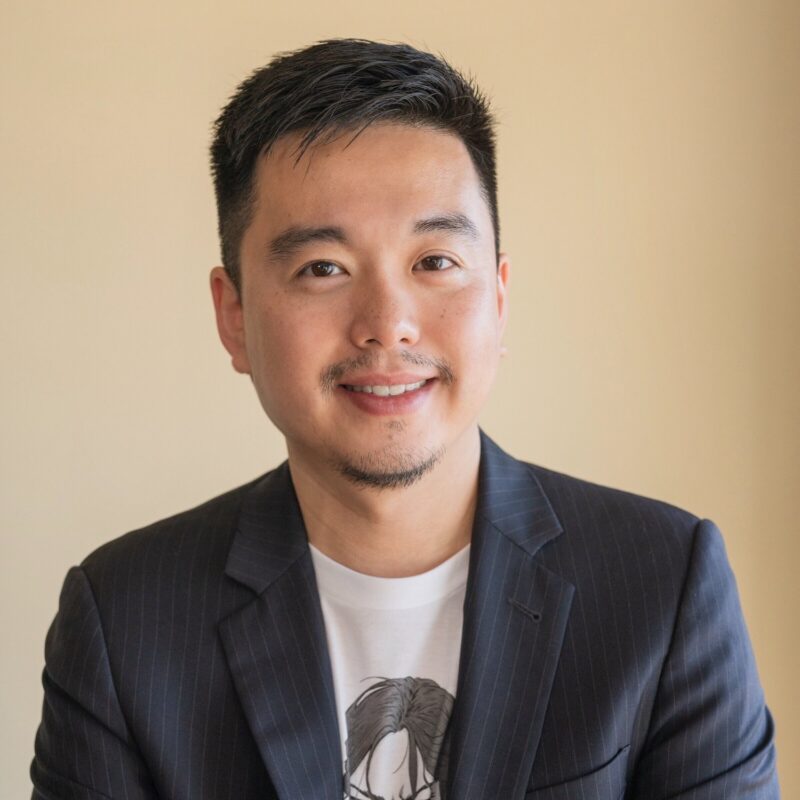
x=649 y=197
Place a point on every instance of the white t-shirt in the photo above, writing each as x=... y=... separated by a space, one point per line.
x=394 y=645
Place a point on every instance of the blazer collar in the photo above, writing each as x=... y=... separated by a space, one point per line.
x=276 y=647
x=512 y=501
x=515 y=614
x=270 y=536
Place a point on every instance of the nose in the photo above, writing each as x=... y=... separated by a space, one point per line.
x=385 y=315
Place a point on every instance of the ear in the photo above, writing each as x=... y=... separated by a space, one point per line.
x=230 y=318
x=503 y=275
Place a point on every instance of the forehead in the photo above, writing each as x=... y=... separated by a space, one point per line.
x=387 y=170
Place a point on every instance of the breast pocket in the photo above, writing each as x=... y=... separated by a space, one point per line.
x=606 y=782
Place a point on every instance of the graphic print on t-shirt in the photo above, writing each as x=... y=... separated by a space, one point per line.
x=396 y=741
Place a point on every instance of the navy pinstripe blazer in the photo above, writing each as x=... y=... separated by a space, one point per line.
x=603 y=655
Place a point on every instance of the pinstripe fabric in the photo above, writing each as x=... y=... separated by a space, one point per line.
x=603 y=655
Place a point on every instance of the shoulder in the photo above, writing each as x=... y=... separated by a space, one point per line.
x=620 y=538
x=183 y=547
x=587 y=504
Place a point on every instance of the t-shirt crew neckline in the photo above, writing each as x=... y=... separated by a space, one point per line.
x=351 y=588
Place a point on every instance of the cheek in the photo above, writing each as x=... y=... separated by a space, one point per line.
x=474 y=337
x=270 y=351
x=287 y=350
x=471 y=325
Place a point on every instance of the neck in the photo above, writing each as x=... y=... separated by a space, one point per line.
x=391 y=533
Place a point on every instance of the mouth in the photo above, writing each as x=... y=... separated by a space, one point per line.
x=388 y=399
x=394 y=390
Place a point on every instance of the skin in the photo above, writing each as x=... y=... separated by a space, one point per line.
x=388 y=300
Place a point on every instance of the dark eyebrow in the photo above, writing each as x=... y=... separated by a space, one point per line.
x=287 y=243
x=454 y=223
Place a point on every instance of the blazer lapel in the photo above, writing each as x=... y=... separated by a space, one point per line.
x=515 y=616
x=276 y=646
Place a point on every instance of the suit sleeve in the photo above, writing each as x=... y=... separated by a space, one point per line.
x=83 y=749
x=711 y=735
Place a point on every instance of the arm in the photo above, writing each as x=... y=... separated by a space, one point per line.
x=711 y=736
x=83 y=747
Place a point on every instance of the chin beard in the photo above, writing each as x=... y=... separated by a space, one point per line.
x=388 y=470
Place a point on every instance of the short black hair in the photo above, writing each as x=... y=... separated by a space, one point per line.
x=332 y=87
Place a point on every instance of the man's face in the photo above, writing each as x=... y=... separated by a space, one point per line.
x=368 y=265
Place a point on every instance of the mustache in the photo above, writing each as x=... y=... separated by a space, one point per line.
x=331 y=376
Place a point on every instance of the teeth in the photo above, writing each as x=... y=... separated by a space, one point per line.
x=387 y=391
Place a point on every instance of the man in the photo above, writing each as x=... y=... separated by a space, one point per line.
x=401 y=610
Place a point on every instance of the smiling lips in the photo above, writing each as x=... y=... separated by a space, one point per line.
x=383 y=390
x=384 y=395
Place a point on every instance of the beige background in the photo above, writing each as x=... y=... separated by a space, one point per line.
x=650 y=194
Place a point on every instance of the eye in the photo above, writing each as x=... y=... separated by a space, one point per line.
x=320 y=269
x=436 y=263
